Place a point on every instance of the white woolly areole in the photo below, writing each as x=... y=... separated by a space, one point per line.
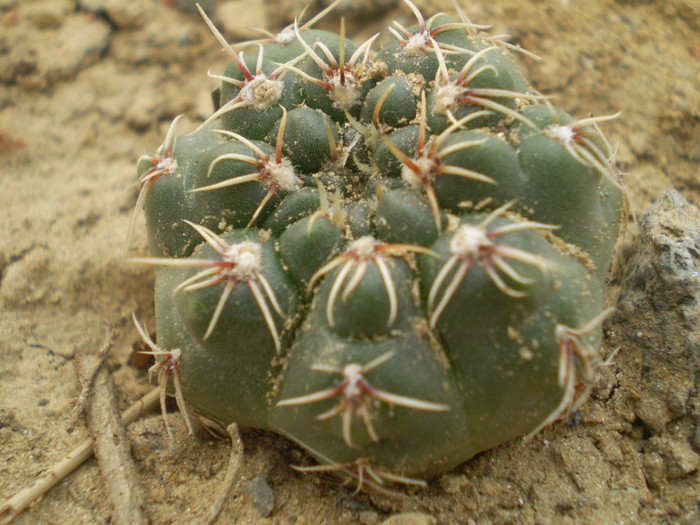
x=446 y=97
x=416 y=45
x=560 y=333
x=343 y=93
x=426 y=167
x=176 y=354
x=246 y=259
x=353 y=374
x=468 y=240
x=282 y=173
x=261 y=93
x=167 y=164
x=562 y=133
x=285 y=37
x=363 y=247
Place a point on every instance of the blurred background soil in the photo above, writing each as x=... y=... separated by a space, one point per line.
x=87 y=86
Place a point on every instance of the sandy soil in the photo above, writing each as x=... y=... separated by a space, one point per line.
x=85 y=89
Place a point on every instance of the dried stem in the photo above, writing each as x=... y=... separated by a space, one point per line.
x=111 y=446
x=232 y=474
x=87 y=380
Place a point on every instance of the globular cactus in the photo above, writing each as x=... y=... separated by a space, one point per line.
x=393 y=256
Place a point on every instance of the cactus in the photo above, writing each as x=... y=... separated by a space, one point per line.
x=393 y=256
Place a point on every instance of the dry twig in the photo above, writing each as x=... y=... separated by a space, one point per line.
x=87 y=380
x=111 y=445
x=20 y=501
x=232 y=474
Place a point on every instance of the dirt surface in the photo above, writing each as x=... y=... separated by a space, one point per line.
x=86 y=87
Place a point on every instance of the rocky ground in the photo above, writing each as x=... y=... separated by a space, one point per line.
x=86 y=86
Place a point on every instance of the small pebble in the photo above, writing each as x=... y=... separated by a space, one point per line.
x=260 y=494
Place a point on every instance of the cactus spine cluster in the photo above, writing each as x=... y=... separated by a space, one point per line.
x=393 y=255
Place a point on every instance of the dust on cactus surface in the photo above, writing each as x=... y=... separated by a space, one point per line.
x=391 y=252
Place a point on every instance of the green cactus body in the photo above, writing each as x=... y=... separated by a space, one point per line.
x=396 y=261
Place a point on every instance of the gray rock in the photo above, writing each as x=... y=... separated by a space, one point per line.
x=260 y=494
x=659 y=304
